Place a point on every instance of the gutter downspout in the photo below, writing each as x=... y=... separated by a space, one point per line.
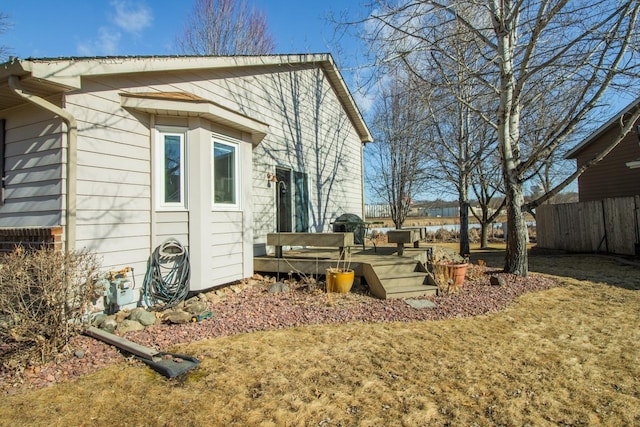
x=364 y=205
x=72 y=156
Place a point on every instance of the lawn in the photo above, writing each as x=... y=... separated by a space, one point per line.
x=565 y=356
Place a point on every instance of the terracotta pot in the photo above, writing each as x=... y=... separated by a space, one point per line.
x=339 y=280
x=457 y=272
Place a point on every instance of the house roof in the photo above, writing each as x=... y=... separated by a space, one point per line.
x=573 y=153
x=49 y=76
x=192 y=105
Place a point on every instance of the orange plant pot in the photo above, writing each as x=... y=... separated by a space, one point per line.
x=339 y=280
x=457 y=272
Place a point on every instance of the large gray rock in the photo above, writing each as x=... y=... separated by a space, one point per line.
x=97 y=319
x=196 y=307
x=278 y=287
x=420 y=304
x=128 y=325
x=121 y=315
x=196 y=298
x=177 y=316
x=143 y=316
x=109 y=324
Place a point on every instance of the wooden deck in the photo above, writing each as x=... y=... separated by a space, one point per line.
x=387 y=274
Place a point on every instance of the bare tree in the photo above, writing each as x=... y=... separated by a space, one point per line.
x=4 y=26
x=573 y=52
x=460 y=138
x=487 y=187
x=225 y=27
x=398 y=165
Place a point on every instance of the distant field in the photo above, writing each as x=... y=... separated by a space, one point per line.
x=418 y=221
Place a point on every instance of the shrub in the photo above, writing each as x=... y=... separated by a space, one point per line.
x=44 y=296
x=474 y=235
x=446 y=235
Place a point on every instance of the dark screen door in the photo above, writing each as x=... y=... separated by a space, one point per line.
x=283 y=200
x=302 y=202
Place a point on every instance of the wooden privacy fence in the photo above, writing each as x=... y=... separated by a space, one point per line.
x=609 y=225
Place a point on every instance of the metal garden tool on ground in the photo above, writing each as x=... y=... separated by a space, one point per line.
x=168 y=364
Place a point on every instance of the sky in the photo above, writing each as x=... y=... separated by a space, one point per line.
x=67 y=28
x=46 y=28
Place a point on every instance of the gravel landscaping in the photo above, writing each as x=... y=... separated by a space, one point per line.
x=248 y=307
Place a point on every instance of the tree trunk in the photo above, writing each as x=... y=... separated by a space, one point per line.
x=464 y=227
x=516 y=261
x=484 y=235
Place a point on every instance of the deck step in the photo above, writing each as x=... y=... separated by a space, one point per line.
x=396 y=270
x=399 y=280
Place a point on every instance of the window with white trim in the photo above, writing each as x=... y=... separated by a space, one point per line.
x=226 y=175
x=171 y=169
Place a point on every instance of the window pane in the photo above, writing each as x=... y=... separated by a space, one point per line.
x=224 y=174
x=172 y=172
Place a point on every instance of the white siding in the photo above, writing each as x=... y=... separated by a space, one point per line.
x=33 y=152
x=113 y=188
x=171 y=225
x=314 y=136
x=226 y=240
x=309 y=132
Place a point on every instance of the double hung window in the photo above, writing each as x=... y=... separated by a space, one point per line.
x=171 y=169
x=226 y=182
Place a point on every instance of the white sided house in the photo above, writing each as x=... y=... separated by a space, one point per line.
x=118 y=154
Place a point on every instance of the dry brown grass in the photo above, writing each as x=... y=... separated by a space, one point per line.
x=566 y=356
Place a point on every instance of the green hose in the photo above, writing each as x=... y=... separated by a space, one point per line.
x=166 y=283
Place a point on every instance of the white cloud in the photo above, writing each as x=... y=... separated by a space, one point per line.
x=365 y=102
x=105 y=45
x=126 y=17
x=131 y=17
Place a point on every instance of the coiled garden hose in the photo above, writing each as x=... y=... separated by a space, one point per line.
x=166 y=283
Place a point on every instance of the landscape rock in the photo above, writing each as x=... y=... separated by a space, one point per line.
x=236 y=288
x=177 y=317
x=109 y=324
x=144 y=317
x=221 y=293
x=256 y=310
x=128 y=325
x=420 y=304
x=193 y=300
x=121 y=315
x=196 y=307
x=98 y=319
x=497 y=281
x=79 y=354
x=278 y=287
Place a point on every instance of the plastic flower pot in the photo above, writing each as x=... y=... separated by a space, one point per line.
x=339 y=280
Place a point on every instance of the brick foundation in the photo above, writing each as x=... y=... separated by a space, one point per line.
x=31 y=238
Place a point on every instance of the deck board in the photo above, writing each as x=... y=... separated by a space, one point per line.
x=376 y=266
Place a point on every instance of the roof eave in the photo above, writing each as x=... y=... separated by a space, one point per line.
x=634 y=164
x=573 y=153
x=67 y=72
x=347 y=100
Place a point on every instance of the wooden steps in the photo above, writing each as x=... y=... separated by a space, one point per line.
x=400 y=279
x=387 y=274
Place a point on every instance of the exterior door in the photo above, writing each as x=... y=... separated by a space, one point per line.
x=301 y=196
x=283 y=200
